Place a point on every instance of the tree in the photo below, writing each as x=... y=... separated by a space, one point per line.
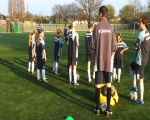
x=69 y=11
x=16 y=9
x=136 y=5
x=148 y=5
x=29 y=16
x=126 y=13
x=73 y=8
x=90 y=7
x=65 y=12
x=81 y=15
x=111 y=11
x=57 y=9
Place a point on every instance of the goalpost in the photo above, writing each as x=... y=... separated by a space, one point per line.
x=134 y=26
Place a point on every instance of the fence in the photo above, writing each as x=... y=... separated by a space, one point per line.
x=53 y=27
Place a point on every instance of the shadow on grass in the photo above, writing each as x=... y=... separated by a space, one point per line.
x=64 y=73
x=83 y=80
x=124 y=96
x=55 y=89
x=84 y=93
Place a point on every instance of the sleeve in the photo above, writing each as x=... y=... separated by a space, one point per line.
x=42 y=28
x=60 y=42
x=77 y=38
x=114 y=42
x=124 y=45
x=93 y=41
x=33 y=44
x=68 y=38
x=138 y=41
x=43 y=44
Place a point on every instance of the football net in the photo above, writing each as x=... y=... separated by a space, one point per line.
x=136 y=23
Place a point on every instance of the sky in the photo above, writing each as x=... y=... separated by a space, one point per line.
x=44 y=7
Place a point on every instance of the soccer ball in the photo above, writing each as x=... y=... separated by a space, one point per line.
x=133 y=95
x=103 y=106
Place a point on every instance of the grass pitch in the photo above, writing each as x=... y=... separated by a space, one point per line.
x=24 y=98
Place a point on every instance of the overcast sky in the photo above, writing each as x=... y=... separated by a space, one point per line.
x=44 y=7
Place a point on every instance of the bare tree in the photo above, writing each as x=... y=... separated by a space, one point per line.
x=16 y=9
x=73 y=8
x=148 y=5
x=81 y=15
x=10 y=8
x=57 y=9
x=65 y=12
x=90 y=6
x=138 y=8
x=21 y=10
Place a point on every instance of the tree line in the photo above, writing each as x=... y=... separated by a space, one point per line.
x=81 y=10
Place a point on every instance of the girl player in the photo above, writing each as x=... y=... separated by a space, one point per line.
x=73 y=43
x=41 y=58
x=118 y=58
x=57 y=51
x=32 y=53
x=89 y=51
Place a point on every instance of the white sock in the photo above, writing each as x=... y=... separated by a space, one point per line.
x=70 y=74
x=38 y=74
x=32 y=67
x=119 y=73
x=114 y=73
x=56 y=67
x=133 y=77
x=141 y=86
x=29 y=66
x=94 y=70
x=95 y=67
x=43 y=74
x=75 y=75
x=89 y=74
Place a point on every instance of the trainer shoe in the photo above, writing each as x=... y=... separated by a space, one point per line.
x=133 y=89
x=45 y=81
x=57 y=73
x=90 y=80
x=76 y=84
x=39 y=79
x=108 y=113
x=113 y=79
x=97 y=112
x=33 y=73
x=118 y=80
x=53 y=72
x=139 y=101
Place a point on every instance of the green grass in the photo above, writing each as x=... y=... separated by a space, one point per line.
x=24 y=98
